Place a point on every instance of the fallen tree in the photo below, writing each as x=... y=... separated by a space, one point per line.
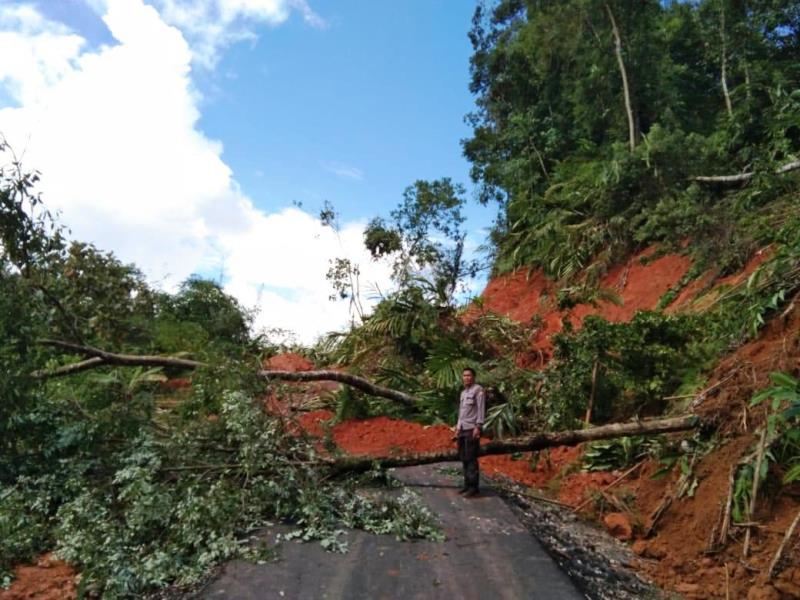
x=538 y=441
x=99 y=358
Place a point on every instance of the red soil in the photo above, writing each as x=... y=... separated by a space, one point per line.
x=527 y=295
x=48 y=579
x=313 y=423
x=288 y=361
x=293 y=395
x=382 y=436
x=379 y=436
x=521 y=471
x=706 y=288
x=179 y=383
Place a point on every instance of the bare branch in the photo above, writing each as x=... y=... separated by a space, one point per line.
x=112 y=358
x=742 y=177
x=84 y=365
x=352 y=380
x=101 y=357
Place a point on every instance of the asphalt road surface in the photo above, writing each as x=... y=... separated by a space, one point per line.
x=487 y=553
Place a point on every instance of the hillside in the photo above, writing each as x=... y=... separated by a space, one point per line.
x=678 y=553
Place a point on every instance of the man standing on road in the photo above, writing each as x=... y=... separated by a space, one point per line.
x=471 y=413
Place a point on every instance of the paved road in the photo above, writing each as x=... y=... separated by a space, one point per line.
x=488 y=553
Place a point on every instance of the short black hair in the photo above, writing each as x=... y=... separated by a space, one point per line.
x=470 y=369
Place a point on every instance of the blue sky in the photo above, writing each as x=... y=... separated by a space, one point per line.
x=382 y=91
x=184 y=134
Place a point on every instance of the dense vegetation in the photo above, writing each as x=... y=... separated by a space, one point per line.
x=594 y=118
x=595 y=125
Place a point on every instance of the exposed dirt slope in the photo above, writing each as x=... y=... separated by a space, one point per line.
x=676 y=555
x=528 y=296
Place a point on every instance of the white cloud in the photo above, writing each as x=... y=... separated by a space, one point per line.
x=343 y=171
x=36 y=52
x=290 y=250
x=211 y=25
x=114 y=133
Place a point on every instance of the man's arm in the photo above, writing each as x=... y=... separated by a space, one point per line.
x=480 y=408
x=458 y=421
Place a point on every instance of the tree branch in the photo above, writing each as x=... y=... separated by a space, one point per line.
x=632 y=133
x=84 y=365
x=741 y=177
x=129 y=360
x=352 y=380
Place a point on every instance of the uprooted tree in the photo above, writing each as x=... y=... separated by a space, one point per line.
x=98 y=357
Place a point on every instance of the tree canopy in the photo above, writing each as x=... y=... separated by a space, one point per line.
x=593 y=117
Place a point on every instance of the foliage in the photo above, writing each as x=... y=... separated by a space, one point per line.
x=425 y=238
x=638 y=363
x=202 y=305
x=608 y=455
x=551 y=120
x=138 y=503
x=782 y=441
x=783 y=422
x=746 y=307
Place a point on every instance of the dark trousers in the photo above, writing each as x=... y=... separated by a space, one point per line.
x=468 y=455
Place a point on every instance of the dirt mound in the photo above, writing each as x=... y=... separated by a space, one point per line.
x=525 y=469
x=48 y=579
x=382 y=436
x=704 y=290
x=288 y=361
x=741 y=374
x=314 y=423
x=681 y=540
x=379 y=436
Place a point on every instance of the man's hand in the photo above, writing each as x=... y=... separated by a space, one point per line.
x=476 y=433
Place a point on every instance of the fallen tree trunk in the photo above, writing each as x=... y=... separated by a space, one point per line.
x=102 y=357
x=538 y=441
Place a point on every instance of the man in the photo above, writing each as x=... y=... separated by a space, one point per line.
x=471 y=413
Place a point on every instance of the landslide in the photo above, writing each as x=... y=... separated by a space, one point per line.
x=677 y=553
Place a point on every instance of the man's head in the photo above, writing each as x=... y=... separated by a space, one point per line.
x=468 y=376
